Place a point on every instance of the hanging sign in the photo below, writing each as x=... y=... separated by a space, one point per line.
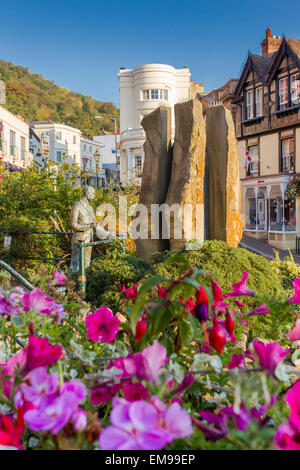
x=45 y=144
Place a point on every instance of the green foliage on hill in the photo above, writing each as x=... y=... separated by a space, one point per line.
x=38 y=99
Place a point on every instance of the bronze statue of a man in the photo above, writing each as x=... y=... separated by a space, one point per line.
x=83 y=222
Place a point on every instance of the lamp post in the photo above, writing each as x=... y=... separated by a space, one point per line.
x=97 y=158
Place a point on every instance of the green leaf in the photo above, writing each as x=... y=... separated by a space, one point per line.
x=160 y=317
x=185 y=330
x=17 y=320
x=180 y=260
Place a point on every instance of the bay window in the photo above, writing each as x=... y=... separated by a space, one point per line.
x=138 y=166
x=155 y=94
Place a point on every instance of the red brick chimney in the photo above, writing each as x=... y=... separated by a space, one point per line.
x=270 y=44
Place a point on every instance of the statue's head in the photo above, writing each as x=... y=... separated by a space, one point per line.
x=89 y=193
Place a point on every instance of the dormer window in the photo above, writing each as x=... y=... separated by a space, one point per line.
x=250 y=104
x=289 y=91
x=283 y=93
x=254 y=103
x=295 y=89
x=259 y=101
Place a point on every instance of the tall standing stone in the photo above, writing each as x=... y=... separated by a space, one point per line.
x=224 y=219
x=156 y=176
x=187 y=178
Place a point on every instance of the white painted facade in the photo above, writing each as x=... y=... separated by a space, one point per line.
x=108 y=151
x=61 y=142
x=142 y=90
x=14 y=140
x=88 y=149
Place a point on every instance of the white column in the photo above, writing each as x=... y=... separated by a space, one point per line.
x=283 y=188
x=269 y=187
x=256 y=215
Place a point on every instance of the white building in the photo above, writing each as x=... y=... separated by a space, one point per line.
x=110 y=155
x=14 y=141
x=58 y=142
x=89 y=149
x=142 y=90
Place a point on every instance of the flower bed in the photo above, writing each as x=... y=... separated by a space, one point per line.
x=168 y=371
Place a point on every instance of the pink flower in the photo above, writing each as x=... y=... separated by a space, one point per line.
x=135 y=426
x=141 y=328
x=269 y=355
x=136 y=391
x=150 y=361
x=219 y=422
x=41 y=385
x=39 y=353
x=217 y=338
x=130 y=292
x=237 y=360
x=59 y=278
x=79 y=420
x=288 y=434
x=102 y=324
x=239 y=288
x=259 y=310
x=178 y=422
x=295 y=299
x=294 y=334
x=37 y=301
x=104 y=393
x=53 y=413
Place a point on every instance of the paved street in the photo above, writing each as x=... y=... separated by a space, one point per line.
x=262 y=248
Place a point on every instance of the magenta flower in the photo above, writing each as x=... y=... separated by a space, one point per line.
x=135 y=426
x=59 y=278
x=136 y=391
x=219 y=422
x=8 y=369
x=288 y=434
x=237 y=360
x=104 y=393
x=102 y=324
x=39 y=353
x=295 y=299
x=294 y=334
x=76 y=387
x=240 y=289
x=8 y=305
x=269 y=355
x=259 y=310
x=287 y=437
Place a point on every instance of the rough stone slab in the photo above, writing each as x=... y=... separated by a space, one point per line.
x=187 y=177
x=156 y=174
x=225 y=219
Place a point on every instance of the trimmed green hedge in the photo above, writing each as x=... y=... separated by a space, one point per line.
x=224 y=262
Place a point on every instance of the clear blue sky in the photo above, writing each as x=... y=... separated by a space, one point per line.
x=81 y=44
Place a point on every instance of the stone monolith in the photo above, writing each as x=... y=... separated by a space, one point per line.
x=224 y=218
x=155 y=180
x=186 y=190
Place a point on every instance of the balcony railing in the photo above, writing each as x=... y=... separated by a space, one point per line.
x=133 y=134
x=15 y=155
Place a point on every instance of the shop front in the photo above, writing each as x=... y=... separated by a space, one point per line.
x=268 y=213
